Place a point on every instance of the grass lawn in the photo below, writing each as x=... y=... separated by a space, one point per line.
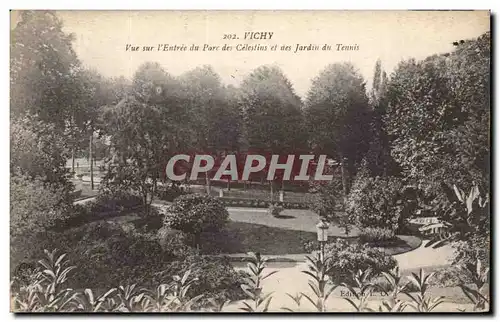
x=291 y=219
x=255 y=230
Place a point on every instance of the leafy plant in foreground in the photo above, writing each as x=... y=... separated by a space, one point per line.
x=318 y=270
x=47 y=292
x=88 y=302
x=466 y=217
x=258 y=302
x=421 y=302
x=361 y=290
x=297 y=298
x=479 y=278
x=394 y=279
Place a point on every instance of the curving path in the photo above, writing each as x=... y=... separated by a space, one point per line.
x=422 y=257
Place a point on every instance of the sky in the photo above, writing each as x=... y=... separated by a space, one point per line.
x=101 y=38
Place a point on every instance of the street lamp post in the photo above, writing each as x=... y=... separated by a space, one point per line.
x=322 y=230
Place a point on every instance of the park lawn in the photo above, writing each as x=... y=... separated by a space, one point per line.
x=290 y=219
x=254 y=230
x=257 y=231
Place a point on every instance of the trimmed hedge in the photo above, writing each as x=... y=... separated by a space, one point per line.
x=255 y=203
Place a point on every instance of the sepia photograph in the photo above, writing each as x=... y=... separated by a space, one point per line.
x=250 y=161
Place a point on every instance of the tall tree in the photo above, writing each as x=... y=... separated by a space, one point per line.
x=272 y=111
x=144 y=130
x=215 y=119
x=43 y=65
x=272 y=115
x=337 y=117
x=378 y=158
x=439 y=118
x=38 y=152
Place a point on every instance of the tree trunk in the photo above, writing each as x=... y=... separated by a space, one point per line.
x=73 y=160
x=197 y=241
x=343 y=171
x=146 y=205
x=272 y=196
x=91 y=164
x=228 y=184
x=207 y=183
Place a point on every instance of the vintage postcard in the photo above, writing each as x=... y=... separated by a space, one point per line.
x=250 y=161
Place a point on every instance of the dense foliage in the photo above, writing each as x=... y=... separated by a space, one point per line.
x=42 y=68
x=376 y=235
x=197 y=213
x=425 y=127
x=275 y=210
x=438 y=117
x=376 y=202
x=35 y=207
x=337 y=116
x=271 y=112
x=351 y=257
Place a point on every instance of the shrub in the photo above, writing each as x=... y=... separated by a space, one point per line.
x=35 y=207
x=376 y=202
x=150 y=223
x=217 y=278
x=169 y=193
x=109 y=254
x=51 y=289
x=376 y=235
x=275 y=210
x=175 y=241
x=196 y=213
x=116 y=201
x=120 y=260
x=351 y=257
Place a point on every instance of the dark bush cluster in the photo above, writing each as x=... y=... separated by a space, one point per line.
x=376 y=235
x=111 y=254
x=376 y=202
x=351 y=257
x=197 y=213
x=217 y=279
x=118 y=201
x=169 y=193
x=177 y=241
x=275 y=210
x=104 y=206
